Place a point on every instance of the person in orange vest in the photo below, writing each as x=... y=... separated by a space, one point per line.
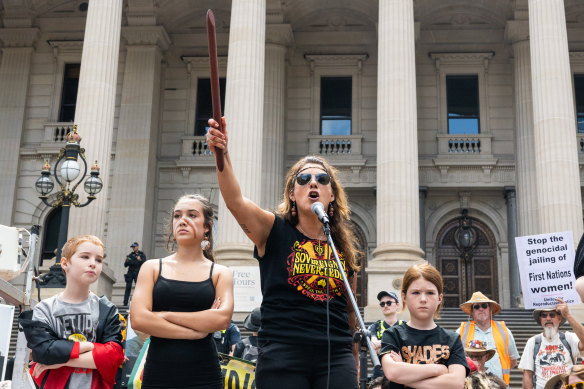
x=495 y=334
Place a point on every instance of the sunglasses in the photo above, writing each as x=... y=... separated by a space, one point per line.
x=577 y=385
x=383 y=303
x=545 y=315
x=321 y=178
x=476 y=307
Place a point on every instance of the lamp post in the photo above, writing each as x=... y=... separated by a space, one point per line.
x=67 y=166
x=465 y=236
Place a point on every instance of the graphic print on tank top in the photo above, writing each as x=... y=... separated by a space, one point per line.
x=307 y=265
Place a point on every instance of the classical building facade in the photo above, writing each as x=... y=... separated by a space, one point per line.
x=438 y=115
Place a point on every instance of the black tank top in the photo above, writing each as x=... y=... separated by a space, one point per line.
x=179 y=363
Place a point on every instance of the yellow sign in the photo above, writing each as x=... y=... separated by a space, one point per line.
x=238 y=374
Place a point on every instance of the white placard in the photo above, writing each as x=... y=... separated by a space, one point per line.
x=247 y=290
x=546 y=266
x=6 y=316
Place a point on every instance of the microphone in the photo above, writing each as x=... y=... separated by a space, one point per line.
x=318 y=209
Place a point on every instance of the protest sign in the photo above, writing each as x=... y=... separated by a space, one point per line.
x=546 y=266
x=247 y=293
x=237 y=373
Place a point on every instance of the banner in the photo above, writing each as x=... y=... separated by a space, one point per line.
x=238 y=373
x=546 y=267
x=247 y=292
x=6 y=316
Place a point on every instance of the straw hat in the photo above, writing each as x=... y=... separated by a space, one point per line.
x=477 y=298
x=537 y=312
x=552 y=382
x=478 y=346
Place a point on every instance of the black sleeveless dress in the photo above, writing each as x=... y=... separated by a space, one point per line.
x=180 y=363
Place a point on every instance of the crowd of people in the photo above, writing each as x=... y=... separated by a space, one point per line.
x=302 y=333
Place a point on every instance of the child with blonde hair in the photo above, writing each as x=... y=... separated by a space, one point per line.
x=75 y=336
x=419 y=353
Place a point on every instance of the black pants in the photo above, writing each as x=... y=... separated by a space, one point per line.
x=299 y=366
x=130 y=277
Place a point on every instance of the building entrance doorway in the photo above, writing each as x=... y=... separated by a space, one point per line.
x=467 y=269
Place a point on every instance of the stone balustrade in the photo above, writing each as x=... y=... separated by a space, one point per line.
x=335 y=145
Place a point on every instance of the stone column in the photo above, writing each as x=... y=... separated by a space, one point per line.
x=398 y=223
x=514 y=281
x=423 y=192
x=277 y=37
x=556 y=158
x=244 y=110
x=94 y=113
x=14 y=78
x=518 y=33
x=131 y=209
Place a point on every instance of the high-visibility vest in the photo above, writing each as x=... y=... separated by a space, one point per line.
x=382 y=328
x=501 y=336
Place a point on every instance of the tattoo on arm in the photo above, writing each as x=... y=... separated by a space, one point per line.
x=245 y=229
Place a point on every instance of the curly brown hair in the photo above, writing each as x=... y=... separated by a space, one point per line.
x=207 y=214
x=340 y=222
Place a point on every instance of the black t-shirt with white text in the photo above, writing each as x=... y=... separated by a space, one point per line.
x=423 y=346
x=294 y=287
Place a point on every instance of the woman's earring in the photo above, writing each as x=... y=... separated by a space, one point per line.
x=205 y=243
x=293 y=209
x=331 y=210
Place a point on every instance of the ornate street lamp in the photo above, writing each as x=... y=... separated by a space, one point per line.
x=68 y=167
x=465 y=236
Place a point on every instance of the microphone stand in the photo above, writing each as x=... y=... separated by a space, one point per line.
x=362 y=336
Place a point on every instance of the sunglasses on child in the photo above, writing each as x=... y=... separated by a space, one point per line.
x=476 y=307
x=577 y=385
x=383 y=303
x=321 y=178
x=545 y=315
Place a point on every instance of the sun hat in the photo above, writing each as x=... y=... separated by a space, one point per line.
x=477 y=298
x=478 y=346
x=537 y=312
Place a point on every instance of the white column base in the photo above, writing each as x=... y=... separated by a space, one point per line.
x=385 y=272
x=235 y=254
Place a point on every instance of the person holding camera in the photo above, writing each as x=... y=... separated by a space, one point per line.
x=133 y=262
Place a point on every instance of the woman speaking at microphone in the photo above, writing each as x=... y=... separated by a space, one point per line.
x=305 y=336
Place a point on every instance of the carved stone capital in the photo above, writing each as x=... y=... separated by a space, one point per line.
x=280 y=34
x=146 y=35
x=517 y=31
x=18 y=37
